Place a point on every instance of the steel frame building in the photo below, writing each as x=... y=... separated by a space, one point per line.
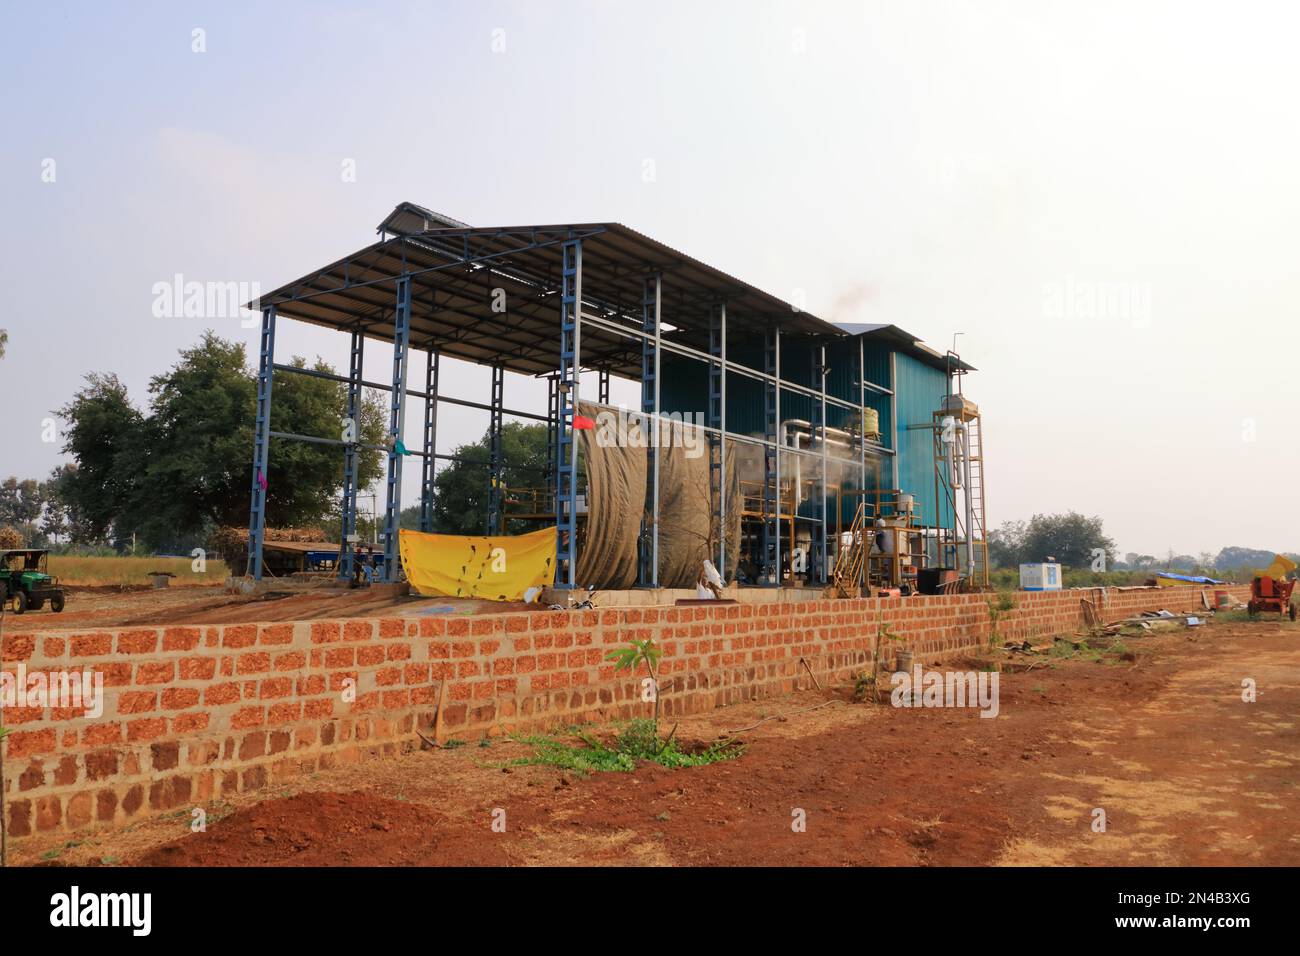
x=554 y=301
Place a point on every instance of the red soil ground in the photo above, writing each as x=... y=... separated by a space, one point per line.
x=1158 y=737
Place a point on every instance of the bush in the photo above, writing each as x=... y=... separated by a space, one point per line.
x=637 y=741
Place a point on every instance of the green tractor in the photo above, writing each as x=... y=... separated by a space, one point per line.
x=25 y=580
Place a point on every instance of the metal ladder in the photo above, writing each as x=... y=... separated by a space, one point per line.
x=849 y=561
x=978 y=530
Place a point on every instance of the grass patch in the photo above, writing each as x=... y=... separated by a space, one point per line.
x=1243 y=617
x=108 y=571
x=635 y=742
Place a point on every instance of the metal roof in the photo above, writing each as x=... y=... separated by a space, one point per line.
x=906 y=342
x=408 y=219
x=453 y=273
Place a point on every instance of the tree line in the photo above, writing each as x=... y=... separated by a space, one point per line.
x=1076 y=541
x=165 y=475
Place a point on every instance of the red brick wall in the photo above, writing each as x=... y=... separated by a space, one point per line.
x=194 y=712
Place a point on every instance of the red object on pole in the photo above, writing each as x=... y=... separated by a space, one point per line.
x=582 y=423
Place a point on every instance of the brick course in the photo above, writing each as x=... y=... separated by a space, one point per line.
x=191 y=713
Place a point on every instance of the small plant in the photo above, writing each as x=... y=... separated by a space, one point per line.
x=632 y=657
x=637 y=740
x=453 y=744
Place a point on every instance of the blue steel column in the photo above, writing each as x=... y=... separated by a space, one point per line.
x=348 y=528
x=261 y=442
x=650 y=325
x=718 y=421
x=430 y=440
x=396 y=419
x=821 y=506
x=862 y=454
x=496 y=466
x=566 y=478
x=771 y=564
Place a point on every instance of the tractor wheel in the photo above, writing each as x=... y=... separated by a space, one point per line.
x=1252 y=609
x=56 y=603
x=20 y=602
x=1291 y=610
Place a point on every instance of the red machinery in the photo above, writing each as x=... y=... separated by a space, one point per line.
x=1268 y=594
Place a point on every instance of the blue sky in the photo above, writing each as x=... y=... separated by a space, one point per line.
x=1100 y=197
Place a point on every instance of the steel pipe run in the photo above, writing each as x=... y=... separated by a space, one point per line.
x=964 y=432
x=411 y=392
x=678 y=348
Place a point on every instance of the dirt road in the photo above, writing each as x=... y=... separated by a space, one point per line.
x=1184 y=769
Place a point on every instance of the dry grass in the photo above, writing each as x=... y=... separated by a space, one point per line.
x=71 y=569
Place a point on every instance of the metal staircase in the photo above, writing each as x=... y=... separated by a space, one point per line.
x=847 y=576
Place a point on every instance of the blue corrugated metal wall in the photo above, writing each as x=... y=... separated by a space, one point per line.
x=919 y=391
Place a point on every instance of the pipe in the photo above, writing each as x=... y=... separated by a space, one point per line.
x=970 y=499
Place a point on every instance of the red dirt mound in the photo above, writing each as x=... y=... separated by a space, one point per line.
x=329 y=829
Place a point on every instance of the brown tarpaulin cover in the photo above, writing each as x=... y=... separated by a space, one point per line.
x=615 y=500
x=617 y=468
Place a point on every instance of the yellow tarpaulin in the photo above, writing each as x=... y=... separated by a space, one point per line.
x=498 y=568
x=1280 y=568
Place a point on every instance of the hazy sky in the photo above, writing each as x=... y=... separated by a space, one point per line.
x=1101 y=197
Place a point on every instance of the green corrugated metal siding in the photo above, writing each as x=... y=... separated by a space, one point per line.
x=919 y=390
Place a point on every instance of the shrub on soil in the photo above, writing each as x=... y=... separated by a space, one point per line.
x=637 y=741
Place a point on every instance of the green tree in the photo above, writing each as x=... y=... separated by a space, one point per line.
x=194 y=448
x=1071 y=538
x=103 y=435
x=1005 y=544
x=21 y=502
x=171 y=475
x=461 y=489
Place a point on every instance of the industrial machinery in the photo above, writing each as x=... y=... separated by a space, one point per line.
x=1270 y=591
x=959 y=485
x=25 y=579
